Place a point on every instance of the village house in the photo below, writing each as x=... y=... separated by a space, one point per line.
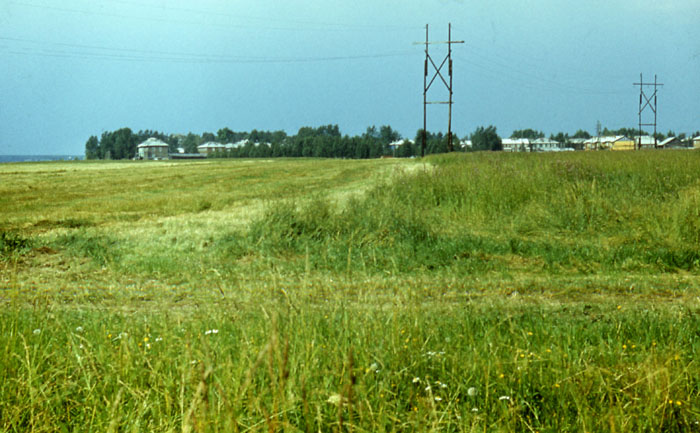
x=515 y=144
x=645 y=142
x=236 y=145
x=544 y=145
x=210 y=147
x=152 y=148
x=670 y=143
x=618 y=142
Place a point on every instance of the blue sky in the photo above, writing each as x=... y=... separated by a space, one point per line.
x=74 y=68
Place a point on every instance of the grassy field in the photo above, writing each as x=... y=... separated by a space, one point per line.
x=460 y=293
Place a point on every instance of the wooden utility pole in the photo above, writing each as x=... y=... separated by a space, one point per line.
x=648 y=103
x=447 y=82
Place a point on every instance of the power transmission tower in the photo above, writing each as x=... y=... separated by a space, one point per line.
x=448 y=84
x=646 y=103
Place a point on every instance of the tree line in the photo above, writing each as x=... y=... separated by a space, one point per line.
x=323 y=141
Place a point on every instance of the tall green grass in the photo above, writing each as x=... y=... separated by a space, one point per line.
x=285 y=366
x=580 y=213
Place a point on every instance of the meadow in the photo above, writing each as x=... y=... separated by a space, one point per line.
x=458 y=293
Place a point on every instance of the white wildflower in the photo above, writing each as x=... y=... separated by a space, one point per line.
x=159 y=339
x=428 y=388
x=211 y=331
x=37 y=331
x=416 y=380
x=336 y=399
x=475 y=410
x=438 y=398
x=79 y=329
x=504 y=398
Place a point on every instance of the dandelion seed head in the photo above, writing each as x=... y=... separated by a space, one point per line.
x=471 y=392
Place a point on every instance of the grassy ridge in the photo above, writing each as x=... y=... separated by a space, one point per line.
x=481 y=292
x=483 y=213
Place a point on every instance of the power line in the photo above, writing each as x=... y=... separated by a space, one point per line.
x=520 y=74
x=296 y=25
x=326 y=25
x=83 y=51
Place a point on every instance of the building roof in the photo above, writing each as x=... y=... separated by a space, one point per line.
x=606 y=139
x=546 y=141
x=512 y=141
x=239 y=143
x=667 y=141
x=645 y=140
x=152 y=142
x=211 y=145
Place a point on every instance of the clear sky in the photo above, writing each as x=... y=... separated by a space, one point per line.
x=74 y=68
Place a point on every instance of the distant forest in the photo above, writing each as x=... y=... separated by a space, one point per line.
x=324 y=142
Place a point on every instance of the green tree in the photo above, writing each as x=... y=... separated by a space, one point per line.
x=581 y=134
x=407 y=150
x=527 y=133
x=560 y=137
x=92 y=148
x=388 y=135
x=486 y=139
x=225 y=135
x=190 y=143
x=124 y=144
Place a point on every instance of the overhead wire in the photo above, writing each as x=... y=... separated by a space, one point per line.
x=319 y=24
x=84 y=51
x=521 y=69
x=241 y=23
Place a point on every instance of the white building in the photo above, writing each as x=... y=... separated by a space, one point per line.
x=516 y=144
x=210 y=147
x=152 y=148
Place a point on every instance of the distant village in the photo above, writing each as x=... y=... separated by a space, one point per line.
x=155 y=149
x=327 y=141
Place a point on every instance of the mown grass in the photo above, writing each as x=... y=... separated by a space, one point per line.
x=481 y=292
